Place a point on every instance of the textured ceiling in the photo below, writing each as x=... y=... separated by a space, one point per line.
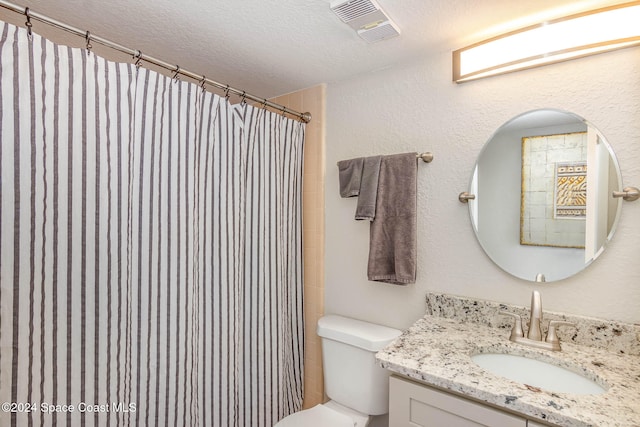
x=273 y=47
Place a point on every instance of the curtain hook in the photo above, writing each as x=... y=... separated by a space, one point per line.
x=226 y=93
x=88 y=39
x=202 y=83
x=264 y=103
x=284 y=109
x=176 y=72
x=28 y=24
x=243 y=101
x=138 y=58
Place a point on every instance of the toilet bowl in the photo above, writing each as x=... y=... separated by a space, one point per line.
x=357 y=386
x=330 y=414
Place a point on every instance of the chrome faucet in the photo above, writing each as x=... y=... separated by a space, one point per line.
x=534 y=336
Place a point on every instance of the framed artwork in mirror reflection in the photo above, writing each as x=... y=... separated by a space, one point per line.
x=554 y=196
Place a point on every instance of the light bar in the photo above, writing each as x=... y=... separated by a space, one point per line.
x=574 y=36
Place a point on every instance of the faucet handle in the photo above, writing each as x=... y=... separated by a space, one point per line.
x=516 y=330
x=552 y=337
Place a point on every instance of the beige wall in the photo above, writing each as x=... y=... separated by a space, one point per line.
x=313 y=101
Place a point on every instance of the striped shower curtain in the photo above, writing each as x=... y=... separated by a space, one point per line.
x=150 y=247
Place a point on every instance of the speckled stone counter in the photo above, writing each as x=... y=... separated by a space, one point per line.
x=436 y=351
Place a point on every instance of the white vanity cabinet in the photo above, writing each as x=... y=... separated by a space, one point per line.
x=415 y=405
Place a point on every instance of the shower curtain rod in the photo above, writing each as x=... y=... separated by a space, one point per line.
x=139 y=56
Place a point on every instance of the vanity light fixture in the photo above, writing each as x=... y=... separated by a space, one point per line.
x=570 y=37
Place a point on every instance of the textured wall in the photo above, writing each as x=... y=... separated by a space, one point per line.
x=416 y=107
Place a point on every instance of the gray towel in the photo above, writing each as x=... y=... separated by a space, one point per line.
x=392 y=244
x=350 y=175
x=366 y=208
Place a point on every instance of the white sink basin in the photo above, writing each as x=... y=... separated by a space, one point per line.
x=538 y=374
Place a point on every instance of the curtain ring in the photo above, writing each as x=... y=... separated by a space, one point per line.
x=226 y=93
x=202 y=82
x=284 y=109
x=264 y=103
x=138 y=58
x=28 y=24
x=176 y=72
x=88 y=39
x=243 y=101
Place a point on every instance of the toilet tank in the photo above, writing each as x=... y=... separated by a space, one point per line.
x=351 y=376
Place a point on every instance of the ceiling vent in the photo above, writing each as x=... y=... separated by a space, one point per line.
x=367 y=18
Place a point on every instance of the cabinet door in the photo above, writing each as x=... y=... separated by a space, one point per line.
x=416 y=405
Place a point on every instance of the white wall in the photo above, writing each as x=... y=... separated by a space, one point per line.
x=416 y=107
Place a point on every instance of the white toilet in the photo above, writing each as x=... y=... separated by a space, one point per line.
x=357 y=386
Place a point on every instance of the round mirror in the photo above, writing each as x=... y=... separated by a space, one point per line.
x=543 y=185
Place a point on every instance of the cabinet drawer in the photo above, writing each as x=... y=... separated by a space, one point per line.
x=412 y=405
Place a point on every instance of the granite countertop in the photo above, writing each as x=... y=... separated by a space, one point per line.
x=436 y=350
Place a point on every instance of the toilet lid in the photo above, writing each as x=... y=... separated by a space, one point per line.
x=318 y=416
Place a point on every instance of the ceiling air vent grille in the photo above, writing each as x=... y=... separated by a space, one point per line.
x=350 y=10
x=382 y=31
x=366 y=18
